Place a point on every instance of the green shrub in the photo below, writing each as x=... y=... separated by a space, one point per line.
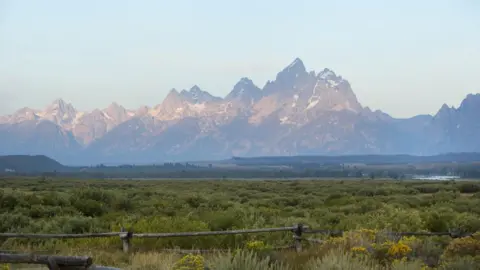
x=438 y=221
x=221 y=221
x=469 y=188
x=195 y=201
x=461 y=263
x=427 y=189
x=467 y=246
x=9 y=201
x=76 y=224
x=90 y=207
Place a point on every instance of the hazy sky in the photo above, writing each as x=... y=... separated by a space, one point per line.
x=403 y=57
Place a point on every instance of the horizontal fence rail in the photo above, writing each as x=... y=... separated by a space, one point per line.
x=192 y=234
x=452 y=234
x=141 y=235
x=53 y=262
x=59 y=236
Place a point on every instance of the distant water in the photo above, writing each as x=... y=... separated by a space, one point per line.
x=435 y=177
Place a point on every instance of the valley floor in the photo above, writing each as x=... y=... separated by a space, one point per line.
x=364 y=209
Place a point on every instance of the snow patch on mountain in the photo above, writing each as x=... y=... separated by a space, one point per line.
x=197 y=107
x=326 y=74
x=312 y=104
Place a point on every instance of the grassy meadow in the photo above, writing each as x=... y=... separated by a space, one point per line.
x=363 y=208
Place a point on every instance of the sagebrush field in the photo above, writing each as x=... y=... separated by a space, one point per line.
x=364 y=208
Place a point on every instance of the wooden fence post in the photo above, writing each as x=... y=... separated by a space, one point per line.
x=125 y=236
x=52 y=264
x=298 y=230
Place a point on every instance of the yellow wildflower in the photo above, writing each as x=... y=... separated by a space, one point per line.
x=190 y=262
x=255 y=245
x=409 y=241
x=359 y=249
x=368 y=234
x=399 y=250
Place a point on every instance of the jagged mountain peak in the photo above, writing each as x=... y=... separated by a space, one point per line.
x=296 y=64
x=472 y=101
x=294 y=69
x=333 y=80
x=286 y=79
x=445 y=111
x=173 y=91
x=59 y=112
x=245 y=90
x=245 y=80
x=196 y=89
x=116 y=113
x=60 y=104
x=326 y=74
x=445 y=107
x=173 y=96
x=59 y=101
x=114 y=105
x=115 y=108
x=197 y=95
x=330 y=76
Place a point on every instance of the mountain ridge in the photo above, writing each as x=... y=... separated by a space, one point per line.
x=299 y=112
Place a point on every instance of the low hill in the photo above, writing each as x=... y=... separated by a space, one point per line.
x=29 y=164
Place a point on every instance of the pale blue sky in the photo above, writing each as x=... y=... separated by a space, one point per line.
x=403 y=57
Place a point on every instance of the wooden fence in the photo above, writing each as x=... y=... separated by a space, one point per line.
x=62 y=262
x=126 y=236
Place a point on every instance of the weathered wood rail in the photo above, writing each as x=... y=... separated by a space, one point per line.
x=53 y=262
x=58 y=261
x=58 y=236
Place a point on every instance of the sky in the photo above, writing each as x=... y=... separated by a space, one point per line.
x=402 y=57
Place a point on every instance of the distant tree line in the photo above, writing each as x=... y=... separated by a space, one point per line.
x=188 y=170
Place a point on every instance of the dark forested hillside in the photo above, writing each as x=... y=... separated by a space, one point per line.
x=29 y=164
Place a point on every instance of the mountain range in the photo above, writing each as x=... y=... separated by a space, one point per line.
x=300 y=112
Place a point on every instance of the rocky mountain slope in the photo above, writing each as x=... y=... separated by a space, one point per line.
x=300 y=112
